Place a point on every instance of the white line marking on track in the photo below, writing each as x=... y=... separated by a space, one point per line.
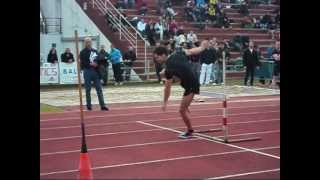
x=176 y=104
x=231 y=145
x=161 y=160
x=138 y=131
x=164 y=119
x=151 y=143
x=243 y=174
x=128 y=114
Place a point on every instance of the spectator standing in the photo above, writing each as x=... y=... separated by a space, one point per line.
x=143 y=10
x=213 y=46
x=88 y=61
x=150 y=31
x=244 y=11
x=67 y=56
x=116 y=60
x=141 y=26
x=219 y=65
x=206 y=65
x=250 y=62
x=159 y=28
x=103 y=64
x=276 y=58
x=173 y=27
x=191 y=37
x=128 y=58
x=52 y=56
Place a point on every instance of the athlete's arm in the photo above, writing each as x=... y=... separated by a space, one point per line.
x=197 y=50
x=167 y=91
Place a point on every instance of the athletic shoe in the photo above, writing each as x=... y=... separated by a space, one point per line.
x=121 y=83
x=104 y=109
x=186 y=135
x=89 y=108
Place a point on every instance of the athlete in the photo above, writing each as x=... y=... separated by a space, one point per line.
x=178 y=66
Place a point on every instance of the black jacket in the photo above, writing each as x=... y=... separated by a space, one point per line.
x=65 y=58
x=250 y=60
x=85 y=58
x=52 y=57
x=103 y=58
x=208 y=56
x=131 y=56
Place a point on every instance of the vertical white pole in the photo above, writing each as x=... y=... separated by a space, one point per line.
x=224 y=67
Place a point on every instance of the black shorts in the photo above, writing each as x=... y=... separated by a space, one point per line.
x=195 y=89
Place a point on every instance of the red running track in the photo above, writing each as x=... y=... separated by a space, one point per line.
x=121 y=147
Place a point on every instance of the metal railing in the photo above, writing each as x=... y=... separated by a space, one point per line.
x=120 y=22
x=51 y=25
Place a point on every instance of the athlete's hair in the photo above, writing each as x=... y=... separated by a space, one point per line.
x=161 y=51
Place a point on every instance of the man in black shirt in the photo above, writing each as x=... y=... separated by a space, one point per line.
x=128 y=58
x=67 y=56
x=89 y=65
x=250 y=62
x=177 y=65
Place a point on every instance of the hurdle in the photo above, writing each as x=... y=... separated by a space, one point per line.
x=224 y=128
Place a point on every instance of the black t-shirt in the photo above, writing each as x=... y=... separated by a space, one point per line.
x=179 y=66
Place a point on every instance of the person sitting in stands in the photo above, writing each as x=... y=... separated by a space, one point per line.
x=141 y=26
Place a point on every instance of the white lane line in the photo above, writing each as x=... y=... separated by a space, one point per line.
x=243 y=174
x=176 y=104
x=164 y=119
x=157 y=129
x=231 y=145
x=115 y=147
x=159 y=160
x=151 y=143
x=128 y=114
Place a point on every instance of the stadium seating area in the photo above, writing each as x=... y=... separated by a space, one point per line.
x=261 y=37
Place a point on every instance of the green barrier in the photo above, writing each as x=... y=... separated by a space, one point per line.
x=265 y=70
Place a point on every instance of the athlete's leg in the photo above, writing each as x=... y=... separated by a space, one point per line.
x=185 y=103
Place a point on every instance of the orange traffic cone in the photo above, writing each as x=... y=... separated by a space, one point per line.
x=85 y=172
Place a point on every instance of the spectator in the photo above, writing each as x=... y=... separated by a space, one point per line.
x=134 y=22
x=181 y=39
x=88 y=59
x=247 y=22
x=128 y=58
x=67 y=56
x=244 y=11
x=180 y=31
x=159 y=28
x=103 y=64
x=219 y=65
x=266 y=21
x=115 y=58
x=223 y=21
x=131 y=4
x=207 y=60
x=276 y=59
x=143 y=10
x=170 y=12
x=192 y=37
x=213 y=49
x=250 y=62
x=149 y=31
x=277 y=20
x=120 y=4
x=141 y=26
x=200 y=3
x=195 y=62
x=52 y=56
x=188 y=10
x=173 y=27
x=212 y=13
x=270 y=50
x=227 y=49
